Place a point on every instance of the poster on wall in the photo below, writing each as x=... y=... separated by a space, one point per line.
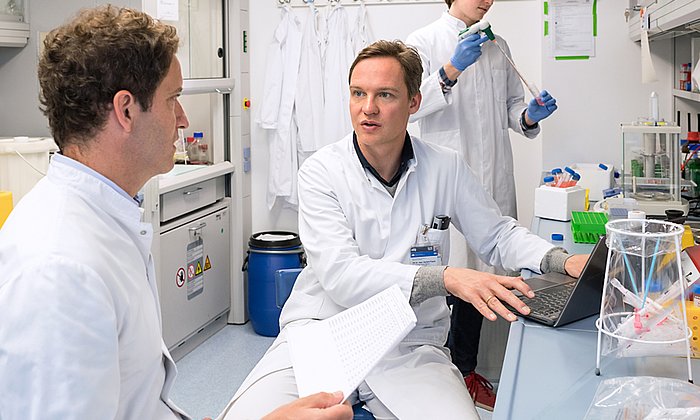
x=167 y=10
x=572 y=24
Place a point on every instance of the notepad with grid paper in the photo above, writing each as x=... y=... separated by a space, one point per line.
x=337 y=353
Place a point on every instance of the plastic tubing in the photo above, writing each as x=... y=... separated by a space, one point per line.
x=651 y=269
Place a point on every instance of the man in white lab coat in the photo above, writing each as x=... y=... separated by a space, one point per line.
x=365 y=201
x=80 y=329
x=471 y=96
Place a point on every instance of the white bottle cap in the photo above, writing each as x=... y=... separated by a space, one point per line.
x=636 y=214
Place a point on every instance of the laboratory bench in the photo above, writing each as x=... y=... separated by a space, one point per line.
x=549 y=373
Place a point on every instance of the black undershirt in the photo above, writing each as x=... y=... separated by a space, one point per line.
x=406 y=156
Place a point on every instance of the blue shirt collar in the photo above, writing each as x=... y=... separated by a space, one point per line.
x=86 y=169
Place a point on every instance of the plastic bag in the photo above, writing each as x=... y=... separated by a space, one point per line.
x=645 y=397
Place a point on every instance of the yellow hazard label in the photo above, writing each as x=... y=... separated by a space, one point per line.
x=207 y=264
x=198 y=270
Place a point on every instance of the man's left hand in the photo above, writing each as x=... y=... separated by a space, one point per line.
x=537 y=112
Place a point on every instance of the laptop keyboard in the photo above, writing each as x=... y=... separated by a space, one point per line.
x=549 y=303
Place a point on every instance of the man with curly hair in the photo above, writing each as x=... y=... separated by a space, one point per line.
x=80 y=335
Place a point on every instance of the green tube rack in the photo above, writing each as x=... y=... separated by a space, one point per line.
x=588 y=226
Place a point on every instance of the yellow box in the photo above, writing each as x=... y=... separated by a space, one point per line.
x=687 y=239
x=5 y=206
x=693 y=313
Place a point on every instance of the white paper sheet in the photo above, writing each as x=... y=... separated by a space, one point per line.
x=572 y=28
x=336 y=354
x=648 y=71
x=168 y=10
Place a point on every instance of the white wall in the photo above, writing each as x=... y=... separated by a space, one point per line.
x=598 y=94
x=19 y=86
x=518 y=21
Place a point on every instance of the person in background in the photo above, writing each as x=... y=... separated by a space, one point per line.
x=364 y=202
x=80 y=335
x=471 y=96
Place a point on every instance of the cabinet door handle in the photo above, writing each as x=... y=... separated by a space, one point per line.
x=196 y=231
x=190 y=192
x=196 y=228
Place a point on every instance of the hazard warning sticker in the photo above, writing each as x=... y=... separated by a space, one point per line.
x=195 y=278
x=180 y=277
x=207 y=263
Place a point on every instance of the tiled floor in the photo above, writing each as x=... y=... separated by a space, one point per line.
x=210 y=374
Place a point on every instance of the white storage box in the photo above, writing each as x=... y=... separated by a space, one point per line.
x=21 y=159
x=558 y=203
x=594 y=178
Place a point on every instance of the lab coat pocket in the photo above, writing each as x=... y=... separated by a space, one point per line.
x=442 y=239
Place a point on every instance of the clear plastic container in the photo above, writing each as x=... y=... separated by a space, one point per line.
x=192 y=149
x=643 y=306
x=203 y=149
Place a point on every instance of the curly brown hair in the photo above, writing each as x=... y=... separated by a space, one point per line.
x=88 y=60
x=406 y=55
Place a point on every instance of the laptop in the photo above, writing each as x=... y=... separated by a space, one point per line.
x=561 y=299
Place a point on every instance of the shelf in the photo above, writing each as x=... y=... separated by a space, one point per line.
x=693 y=96
x=180 y=177
x=13 y=34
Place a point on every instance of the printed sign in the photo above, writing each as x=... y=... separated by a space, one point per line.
x=195 y=277
x=180 y=277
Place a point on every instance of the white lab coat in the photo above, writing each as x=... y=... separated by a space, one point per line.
x=357 y=239
x=474 y=117
x=338 y=58
x=308 y=101
x=80 y=330
x=361 y=32
x=276 y=111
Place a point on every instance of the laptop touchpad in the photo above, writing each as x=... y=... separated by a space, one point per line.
x=539 y=283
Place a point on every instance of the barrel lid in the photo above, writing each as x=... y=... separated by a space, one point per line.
x=274 y=239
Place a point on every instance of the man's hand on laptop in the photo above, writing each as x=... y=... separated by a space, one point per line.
x=487 y=291
x=575 y=263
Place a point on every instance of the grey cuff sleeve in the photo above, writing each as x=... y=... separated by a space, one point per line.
x=428 y=282
x=553 y=261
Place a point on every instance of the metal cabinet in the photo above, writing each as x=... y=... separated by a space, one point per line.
x=191 y=212
x=195 y=267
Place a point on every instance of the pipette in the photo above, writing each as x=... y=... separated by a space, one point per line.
x=485 y=27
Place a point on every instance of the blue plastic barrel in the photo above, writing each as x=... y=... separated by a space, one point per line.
x=268 y=252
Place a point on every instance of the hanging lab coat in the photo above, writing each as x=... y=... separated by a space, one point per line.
x=474 y=117
x=357 y=239
x=337 y=60
x=277 y=108
x=361 y=32
x=308 y=100
x=80 y=330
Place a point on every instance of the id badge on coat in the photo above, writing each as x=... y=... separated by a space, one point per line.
x=431 y=247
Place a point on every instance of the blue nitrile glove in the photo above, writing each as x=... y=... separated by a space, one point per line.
x=537 y=112
x=467 y=51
